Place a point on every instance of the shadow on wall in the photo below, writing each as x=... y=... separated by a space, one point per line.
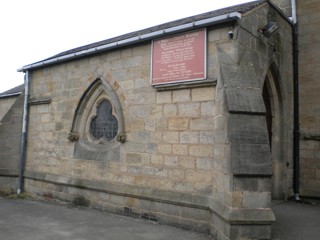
x=10 y=137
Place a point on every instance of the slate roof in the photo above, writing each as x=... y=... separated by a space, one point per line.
x=13 y=91
x=241 y=8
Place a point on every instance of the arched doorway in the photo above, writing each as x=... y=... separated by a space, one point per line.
x=275 y=123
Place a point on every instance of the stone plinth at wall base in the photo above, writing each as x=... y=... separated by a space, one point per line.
x=8 y=184
x=8 y=180
x=226 y=231
x=191 y=212
x=222 y=230
x=171 y=209
x=235 y=223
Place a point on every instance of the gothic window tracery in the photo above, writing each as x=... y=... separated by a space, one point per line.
x=104 y=125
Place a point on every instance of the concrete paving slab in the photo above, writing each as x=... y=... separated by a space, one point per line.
x=37 y=220
x=296 y=221
x=34 y=220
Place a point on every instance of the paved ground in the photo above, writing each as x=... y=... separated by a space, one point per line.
x=296 y=221
x=33 y=220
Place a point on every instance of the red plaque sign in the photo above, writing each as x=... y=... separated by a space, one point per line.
x=179 y=58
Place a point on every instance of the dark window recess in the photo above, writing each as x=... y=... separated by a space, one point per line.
x=267 y=103
x=104 y=125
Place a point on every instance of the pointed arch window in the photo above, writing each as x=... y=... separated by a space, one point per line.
x=98 y=125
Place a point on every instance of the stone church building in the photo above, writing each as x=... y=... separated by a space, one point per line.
x=197 y=123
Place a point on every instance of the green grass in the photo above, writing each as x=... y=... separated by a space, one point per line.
x=12 y=195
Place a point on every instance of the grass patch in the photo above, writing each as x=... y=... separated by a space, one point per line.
x=19 y=196
x=12 y=195
x=6 y=193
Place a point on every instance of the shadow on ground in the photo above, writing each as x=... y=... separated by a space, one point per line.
x=34 y=220
x=296 y=221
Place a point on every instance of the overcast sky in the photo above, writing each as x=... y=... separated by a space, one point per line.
x=32 y=30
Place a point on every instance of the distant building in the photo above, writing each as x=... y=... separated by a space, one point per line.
x=191 y=123
x=8 y=98
x=11 y=110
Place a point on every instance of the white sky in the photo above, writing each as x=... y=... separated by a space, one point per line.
x=32 y=30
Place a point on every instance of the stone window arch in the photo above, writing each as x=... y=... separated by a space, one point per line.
x=98 y=124
x=280 y=127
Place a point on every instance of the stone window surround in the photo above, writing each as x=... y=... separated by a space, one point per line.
x=98 y=91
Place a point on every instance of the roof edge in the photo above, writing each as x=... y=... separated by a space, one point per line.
x=10 y=95
x=224 y=18
x=13 y=91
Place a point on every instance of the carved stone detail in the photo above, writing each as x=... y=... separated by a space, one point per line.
x=121 y=137
x=73 y=136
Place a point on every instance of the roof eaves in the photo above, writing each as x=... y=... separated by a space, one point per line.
x=10 y=95
x=225 y=15
x=16 y=91
x=161 y=33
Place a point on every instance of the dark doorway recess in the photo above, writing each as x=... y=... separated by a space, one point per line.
x=267 y=103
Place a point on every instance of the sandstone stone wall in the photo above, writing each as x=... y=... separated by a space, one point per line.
x=284 y=5
x=244 y=172
x=309 y=87
x=197 y=156
x=5 y=105
x=169 y=133
x=308 y=41
x=169 y=151
x=10 y=137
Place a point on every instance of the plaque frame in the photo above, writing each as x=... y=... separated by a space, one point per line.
x=184 y=81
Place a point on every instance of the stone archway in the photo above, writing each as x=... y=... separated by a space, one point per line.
x=275 y=118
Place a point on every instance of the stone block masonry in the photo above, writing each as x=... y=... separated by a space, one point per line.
x=163 y=171
x=5 y=105
x=187 y=216
x=10 y=138
x=309 y=87
x=310 y=167
x=169 y=133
